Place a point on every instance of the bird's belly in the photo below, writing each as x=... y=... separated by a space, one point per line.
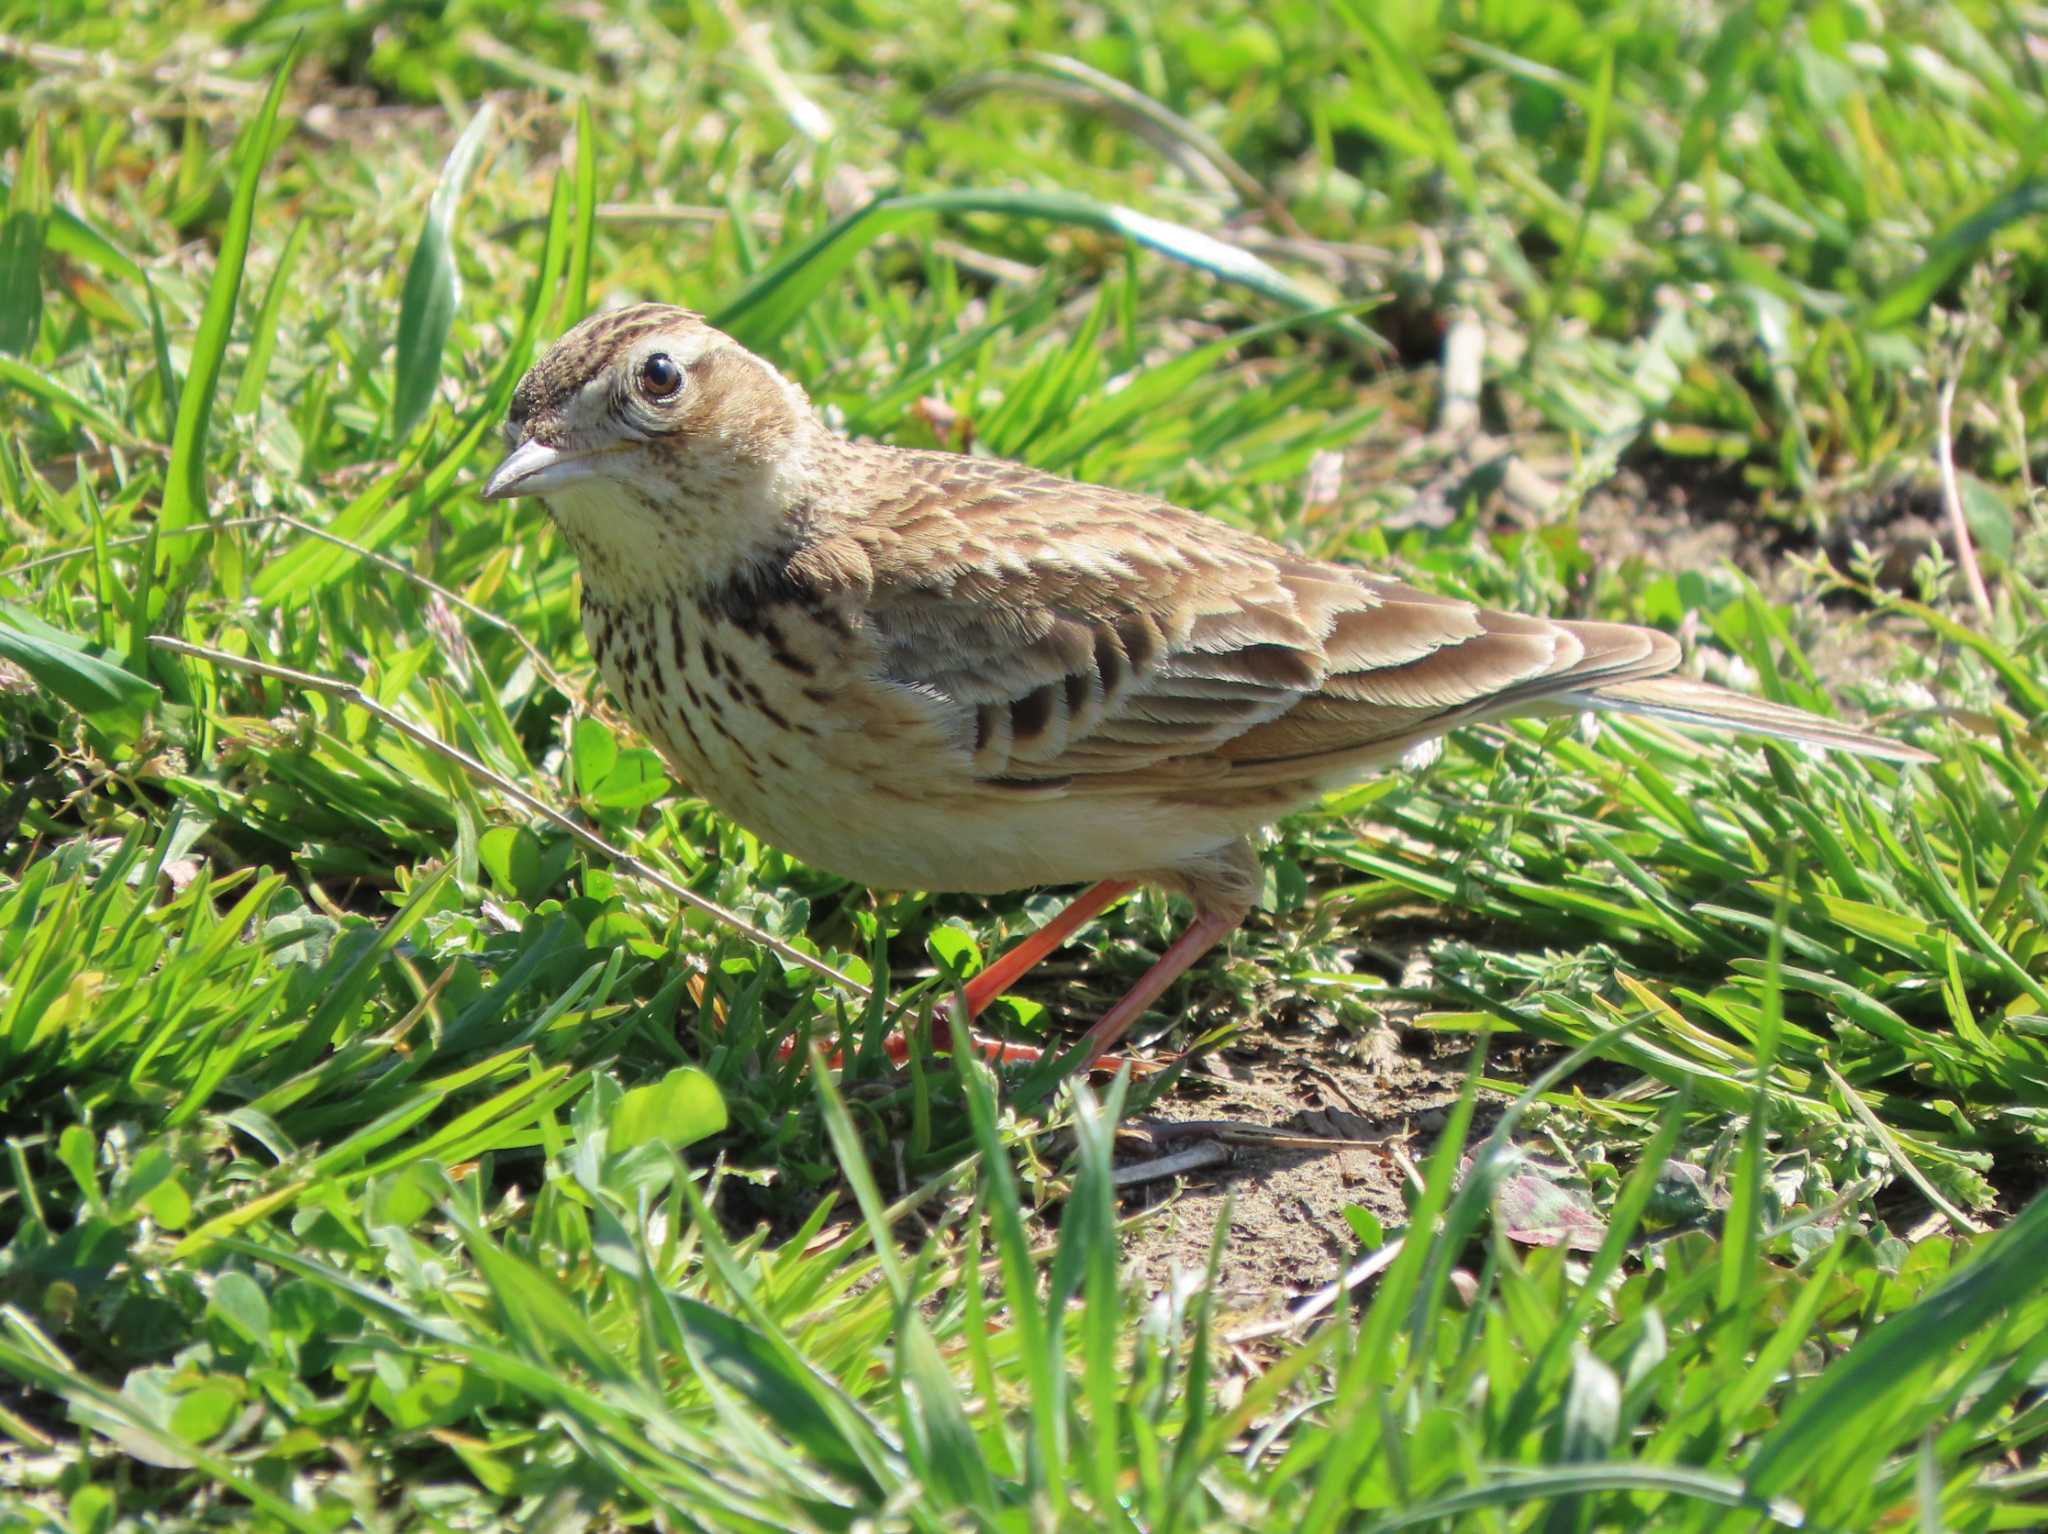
x=980 y=845
x=786 y=732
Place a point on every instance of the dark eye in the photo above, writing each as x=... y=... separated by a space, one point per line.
x=659 y=376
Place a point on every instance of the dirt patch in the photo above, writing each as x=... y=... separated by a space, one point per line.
x=1680 y=522
x=1669 y=515
x=1299 y=1128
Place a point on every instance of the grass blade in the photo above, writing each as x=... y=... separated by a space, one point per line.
x=1742 y=1241
x=1036 y=1326
x=1905 y=298
x=114 y=700
x=576 y=301
x=769 y=304
x=1516 y=1487
x=31 y=380
x=263 y=334
x=21 y=246
x=372 y=519
x=433 y=286
x=185 y=481
x=1882 y=1372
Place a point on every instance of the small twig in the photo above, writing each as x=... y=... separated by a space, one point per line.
x=1365 y=1268
x=349 y=693
x=768 y=220
x=454 y=599
x=1464 y=366
x=395 y=1035
x=1408 y=1168
x=258 y=519
x=1193 y=1159
x=1952 y=498
x=396 y=566
x=1232 y=1133
x=1331 y=1080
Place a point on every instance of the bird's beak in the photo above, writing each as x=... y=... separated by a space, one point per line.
x=534 y=468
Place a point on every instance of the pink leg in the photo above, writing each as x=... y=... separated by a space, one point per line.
x=1012 y=966
x=1207 y=930
x=1005 y=972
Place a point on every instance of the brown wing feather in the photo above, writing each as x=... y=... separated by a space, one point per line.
x=1178 y=648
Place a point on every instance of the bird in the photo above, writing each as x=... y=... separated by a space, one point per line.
x=923 y=670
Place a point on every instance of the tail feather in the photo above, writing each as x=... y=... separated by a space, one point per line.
x=1701 y=703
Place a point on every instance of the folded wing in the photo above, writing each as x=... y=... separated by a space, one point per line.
x=1097 y=640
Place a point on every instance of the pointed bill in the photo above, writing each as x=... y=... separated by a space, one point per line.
x=534 y=468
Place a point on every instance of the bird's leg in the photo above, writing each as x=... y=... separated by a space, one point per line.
x=991 y=982
x=1013 y=965
x=1207 y=930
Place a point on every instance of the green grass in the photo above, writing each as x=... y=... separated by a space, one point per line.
x=379 y=1155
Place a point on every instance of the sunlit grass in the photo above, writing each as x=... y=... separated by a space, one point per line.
x=378 y=1154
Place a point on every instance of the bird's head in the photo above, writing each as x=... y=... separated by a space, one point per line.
x=646 y=431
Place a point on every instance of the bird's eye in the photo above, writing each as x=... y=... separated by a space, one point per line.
x=659 y=376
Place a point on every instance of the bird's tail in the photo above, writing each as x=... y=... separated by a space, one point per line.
x=1701 y=703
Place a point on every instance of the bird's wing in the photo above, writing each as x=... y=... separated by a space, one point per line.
x=1090 y=635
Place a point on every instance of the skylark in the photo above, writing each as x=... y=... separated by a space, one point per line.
x=927 y=671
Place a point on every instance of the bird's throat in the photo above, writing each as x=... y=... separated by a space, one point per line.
x=637 y=545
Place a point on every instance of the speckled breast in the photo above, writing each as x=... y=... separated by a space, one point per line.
x=766 y=708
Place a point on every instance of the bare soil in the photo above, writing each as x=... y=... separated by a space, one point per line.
x=1301 y=1131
